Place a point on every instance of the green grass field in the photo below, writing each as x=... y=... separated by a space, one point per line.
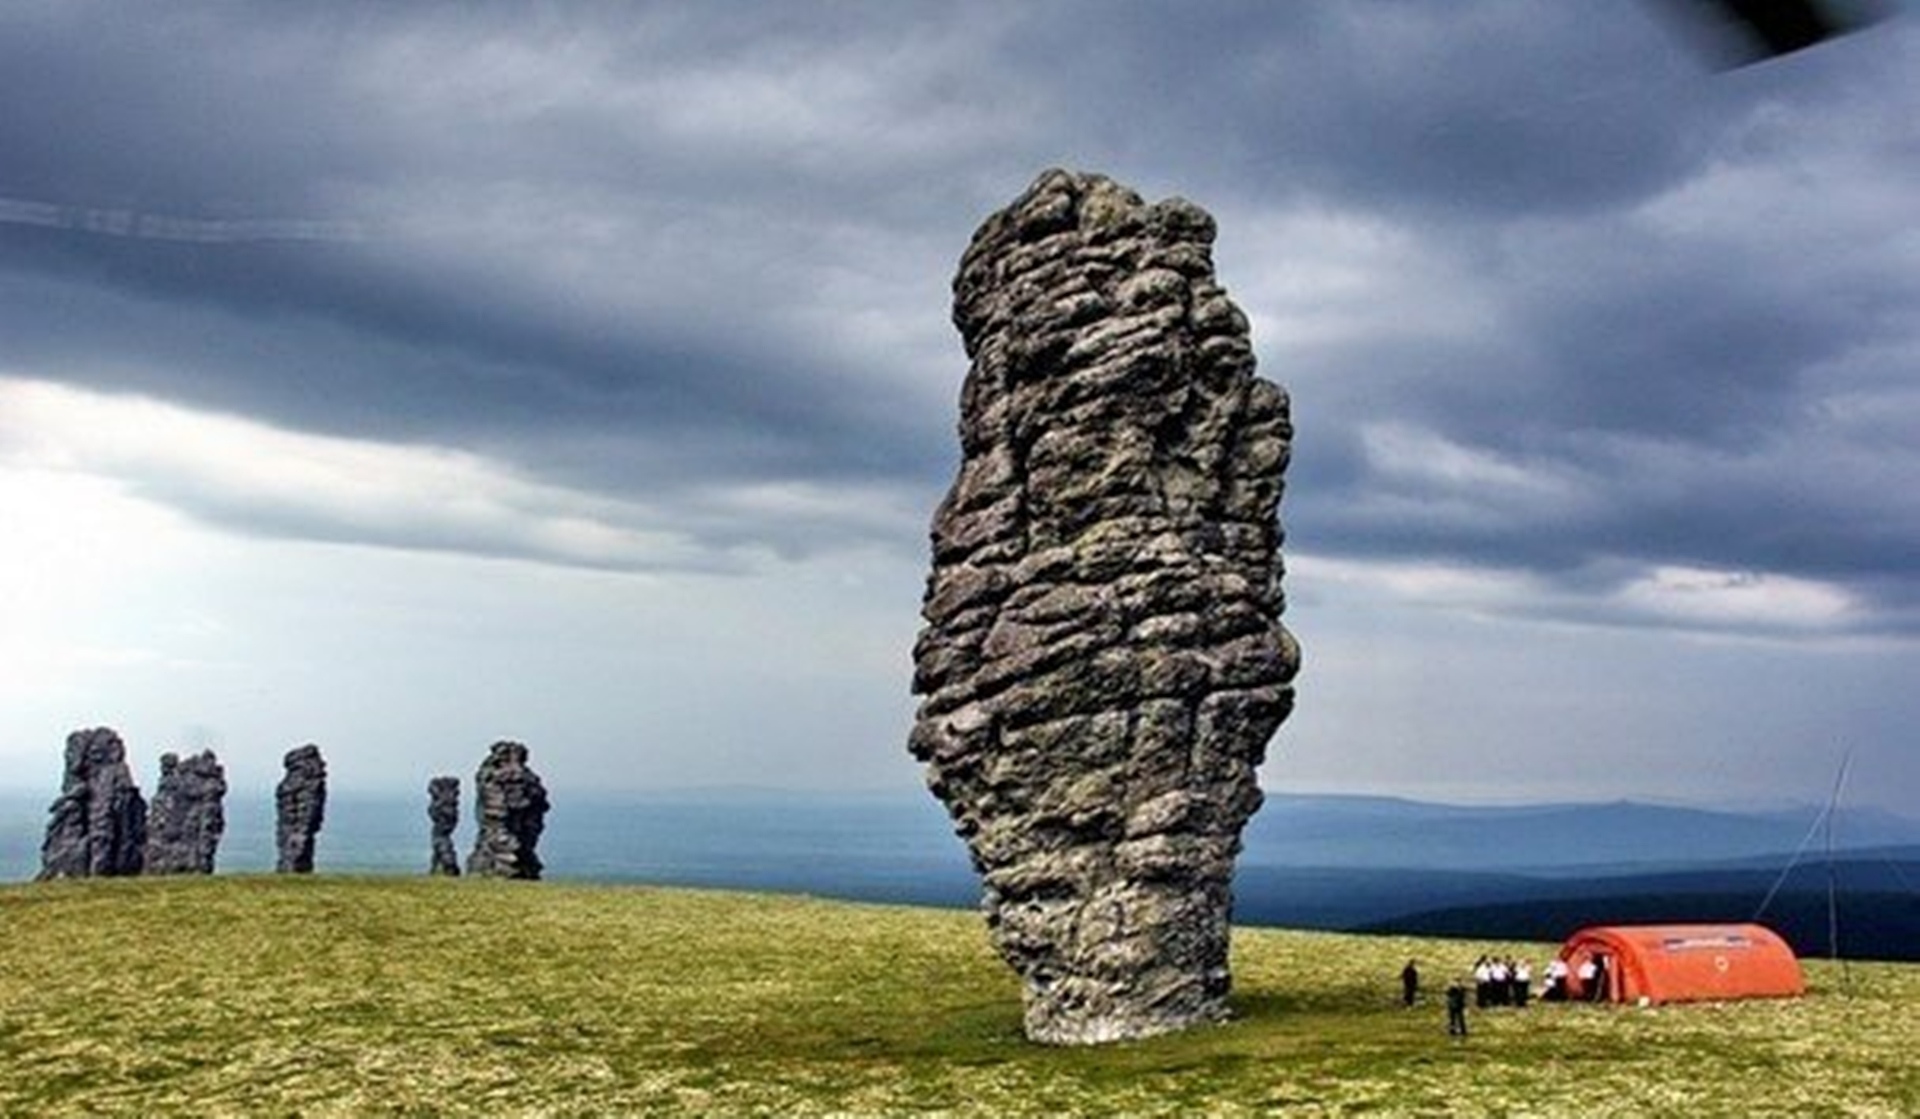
x=342 y=996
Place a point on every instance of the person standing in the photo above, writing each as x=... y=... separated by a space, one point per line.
x=1589 y=973
x=1409 y=982
x=1522 y=983
x=1457 y=1009
x=1556 y=988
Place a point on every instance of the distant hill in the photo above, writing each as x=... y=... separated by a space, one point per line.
x=1379 y=864
x=1874 y=910
x=1311 y=862
x=1330 y=831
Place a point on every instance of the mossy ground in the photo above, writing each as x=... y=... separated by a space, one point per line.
x=327 y=995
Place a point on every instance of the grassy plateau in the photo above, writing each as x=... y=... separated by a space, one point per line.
x=341 y=996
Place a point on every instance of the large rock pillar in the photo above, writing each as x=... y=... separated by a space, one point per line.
x=1103 y=662
x=443 y=815
x=97 y=826
x=301 y=803
x=188 y=815
x=510 y=809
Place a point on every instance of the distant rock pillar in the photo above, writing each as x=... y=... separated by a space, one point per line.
x=443 y=815
x=301 y=800
x=1103 y=662
x=510 y=809
x=188 y=816
x=97 y=826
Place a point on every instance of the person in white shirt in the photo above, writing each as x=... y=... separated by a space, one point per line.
x=1589 y=974
x=1556 y=988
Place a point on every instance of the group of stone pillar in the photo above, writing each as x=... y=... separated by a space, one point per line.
x=1103 y=662
x=100 y=826
x=511 y=803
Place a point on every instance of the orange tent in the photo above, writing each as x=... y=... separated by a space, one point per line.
x=1682 y=963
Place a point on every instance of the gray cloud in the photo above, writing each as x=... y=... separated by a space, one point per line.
x=643 y=250
x=1714 y=373
x=1602 y=366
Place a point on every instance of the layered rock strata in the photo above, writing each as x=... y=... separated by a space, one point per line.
x=188 y=815
x=443 y=815
x=301 y=801
x=510 y=809
x=1103 y=663
x=97 y=826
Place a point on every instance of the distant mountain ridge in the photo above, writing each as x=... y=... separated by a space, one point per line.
x=1317 y=862
x=1854 y=910
x=1383 y=832
x=1540 y=872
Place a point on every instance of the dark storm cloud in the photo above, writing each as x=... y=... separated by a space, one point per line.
x=323 y=337
x=206 y=110
x=1712 y=370
x=183 y=121
x=646 y=249
x=1494 y=109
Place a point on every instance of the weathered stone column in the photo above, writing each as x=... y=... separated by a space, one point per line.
x=97 y=826
x=510 y=806
x=1103 y=662
x=301 y=800
x=443 y=815
x=188 y=817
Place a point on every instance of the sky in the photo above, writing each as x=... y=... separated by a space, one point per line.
x=401 y=378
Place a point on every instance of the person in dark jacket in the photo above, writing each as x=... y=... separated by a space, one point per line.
x=1457 y=1009
x=1409 y=983
x=1599 y=992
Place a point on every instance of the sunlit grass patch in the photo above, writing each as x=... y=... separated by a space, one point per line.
x=324 y=995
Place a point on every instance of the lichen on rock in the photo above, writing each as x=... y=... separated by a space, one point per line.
x=1103 y=663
